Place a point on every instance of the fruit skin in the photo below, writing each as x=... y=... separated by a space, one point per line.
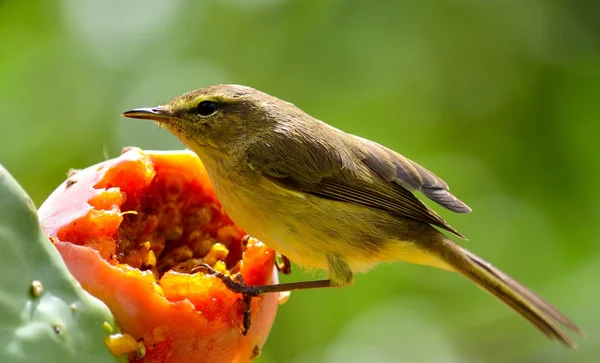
x=45 y=315
x=171 y=331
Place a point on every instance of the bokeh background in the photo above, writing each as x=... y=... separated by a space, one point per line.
x=500 y=98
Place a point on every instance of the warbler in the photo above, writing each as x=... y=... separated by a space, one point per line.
x=327 y=199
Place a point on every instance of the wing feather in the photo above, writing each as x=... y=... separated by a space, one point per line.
x=396 y=168
x=371 y=176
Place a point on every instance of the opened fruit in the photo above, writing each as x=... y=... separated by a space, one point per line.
x=134 y=229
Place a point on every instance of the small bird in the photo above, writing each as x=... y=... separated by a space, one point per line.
x=327 y=199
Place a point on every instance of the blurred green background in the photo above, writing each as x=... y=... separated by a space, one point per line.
x=500 y=98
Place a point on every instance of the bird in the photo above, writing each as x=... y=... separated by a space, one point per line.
x=328 y=199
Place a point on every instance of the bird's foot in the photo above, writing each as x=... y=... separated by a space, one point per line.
x=236 y=285
x=283 y=264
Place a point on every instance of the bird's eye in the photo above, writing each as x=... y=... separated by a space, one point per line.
x=206 y=108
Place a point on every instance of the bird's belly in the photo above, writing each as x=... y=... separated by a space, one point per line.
x=284 y=236
x=291 y=224
x=307 y=229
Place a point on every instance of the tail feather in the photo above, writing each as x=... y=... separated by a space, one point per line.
x=541 y=314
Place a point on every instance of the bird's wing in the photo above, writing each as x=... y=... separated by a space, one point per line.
x=332 y=168
x=395 y=168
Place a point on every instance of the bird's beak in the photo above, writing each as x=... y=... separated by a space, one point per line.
x=156 y=113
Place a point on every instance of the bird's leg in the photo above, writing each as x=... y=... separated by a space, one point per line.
x=282 y=263
x=339 y=271
x=248 y=301
x=284 y=266
x=238 y=285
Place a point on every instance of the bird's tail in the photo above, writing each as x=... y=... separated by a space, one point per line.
x=541 y=314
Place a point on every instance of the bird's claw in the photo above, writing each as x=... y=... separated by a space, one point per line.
x=236 y=285
x=283 y=264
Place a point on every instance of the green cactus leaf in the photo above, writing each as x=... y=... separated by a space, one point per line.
x=45 y=315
